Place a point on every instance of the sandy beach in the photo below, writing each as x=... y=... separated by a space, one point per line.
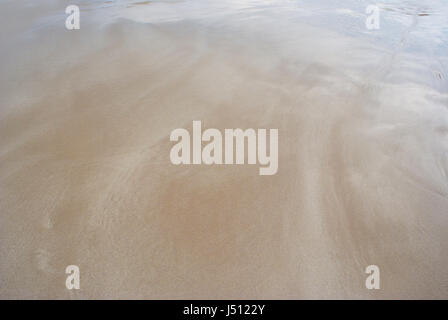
x=86 y=178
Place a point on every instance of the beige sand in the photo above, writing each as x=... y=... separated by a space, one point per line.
x=85 y=176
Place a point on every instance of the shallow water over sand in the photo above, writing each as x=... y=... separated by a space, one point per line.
x=85 y=175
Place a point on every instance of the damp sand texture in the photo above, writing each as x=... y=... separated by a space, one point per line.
x=86 y=178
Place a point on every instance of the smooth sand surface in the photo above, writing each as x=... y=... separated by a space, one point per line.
x=85 y=175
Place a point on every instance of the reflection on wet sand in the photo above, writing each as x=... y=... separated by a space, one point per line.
x=86 y=178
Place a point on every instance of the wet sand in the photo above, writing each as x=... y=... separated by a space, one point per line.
x=85 y=175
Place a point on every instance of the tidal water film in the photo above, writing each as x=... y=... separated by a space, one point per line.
x=86 y=179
